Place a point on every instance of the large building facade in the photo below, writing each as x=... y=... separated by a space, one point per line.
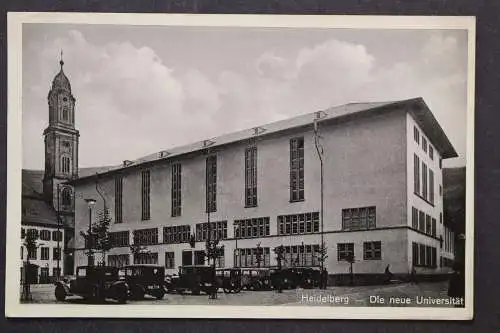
x=261 y=188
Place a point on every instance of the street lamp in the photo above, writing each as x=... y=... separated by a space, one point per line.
x=90 y=203
x=236 y=256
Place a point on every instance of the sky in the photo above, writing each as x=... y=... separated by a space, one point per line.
x=143 y=89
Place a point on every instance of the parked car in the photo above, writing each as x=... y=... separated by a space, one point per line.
x=196 y=278
x=256 y=278
x=306 y=277
x=229 y=279
x=95 y=283
x=144 y=280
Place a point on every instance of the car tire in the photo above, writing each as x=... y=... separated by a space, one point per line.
x=137 y=293
x=60 y=293
x=159 y=294
x=121 y=295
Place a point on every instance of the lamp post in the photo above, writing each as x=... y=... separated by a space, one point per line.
x=90 y=203
x=319 y=150
x=236 y=257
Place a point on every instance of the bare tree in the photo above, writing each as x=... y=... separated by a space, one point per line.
x=31 y=244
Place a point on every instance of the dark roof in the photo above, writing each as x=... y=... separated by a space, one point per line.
x=416 y=106
x=37 y=211
x=35 y=208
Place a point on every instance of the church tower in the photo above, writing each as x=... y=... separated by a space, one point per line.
x=61 y=145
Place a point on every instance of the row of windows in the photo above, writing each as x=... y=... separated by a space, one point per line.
x=427 y=177
x=42 y=234
x=44 y=253
x=371 y=251
x=212 y=230
x=296 y=182
x=423 y=222
x=293 y=224
x=250 y=228
x=300 y=255
x=424 y=255
x=252 y=257
x=298 y=223
x=425 y=144
x=359 y=218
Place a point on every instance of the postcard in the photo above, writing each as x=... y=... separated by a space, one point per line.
x=240 y=166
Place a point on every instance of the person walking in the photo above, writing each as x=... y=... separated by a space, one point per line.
x=413 y=276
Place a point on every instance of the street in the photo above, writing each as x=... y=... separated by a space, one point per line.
x=403 y=294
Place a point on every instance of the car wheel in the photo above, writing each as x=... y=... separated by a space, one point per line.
x=121 y=295
x=160 y=294
x=137 y=293
x=60 y=293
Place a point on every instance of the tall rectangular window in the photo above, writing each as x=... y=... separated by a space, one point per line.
x=424 y=144
x=211 y=183
x=424 y=180
x=297 y=169
x=169 y=260
x=414 y=218
x=416 y=174
x=421 y=221
x=176 y=189
x=431 y=186
x=118 y=198
x=428 y=225
x=431 y=152
x=433 y=231
x=251 y=177
x=416 y=134
x=44 y=253
x=252 y=257
x=146 y=191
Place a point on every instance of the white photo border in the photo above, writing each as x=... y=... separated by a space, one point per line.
x=13 y=307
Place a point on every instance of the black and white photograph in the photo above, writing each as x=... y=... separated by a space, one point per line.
x=240 y=166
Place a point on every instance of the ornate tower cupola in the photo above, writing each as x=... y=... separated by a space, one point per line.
x=61 y=141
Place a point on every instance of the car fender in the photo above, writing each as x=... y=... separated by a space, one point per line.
x=64 y=285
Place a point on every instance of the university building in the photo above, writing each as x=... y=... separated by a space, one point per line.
x=261 y=188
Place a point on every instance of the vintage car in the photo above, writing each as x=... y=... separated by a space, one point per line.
x=196 y=278
x=293 y=277
x=144 y=280
x=256 y=278
x=95 y=283
x=229 y=279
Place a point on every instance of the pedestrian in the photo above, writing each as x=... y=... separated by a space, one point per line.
x=456 y=286
x=413 y=275
x=388 y=274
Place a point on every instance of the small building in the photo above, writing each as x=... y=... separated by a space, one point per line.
x=261 y=188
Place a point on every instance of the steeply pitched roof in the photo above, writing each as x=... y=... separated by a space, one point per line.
x=416 y=106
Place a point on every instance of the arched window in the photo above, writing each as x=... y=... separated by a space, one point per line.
x=65 y=113
x=65 y=164
x=66 y=197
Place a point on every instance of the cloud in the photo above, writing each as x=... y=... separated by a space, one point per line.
x=130 y=103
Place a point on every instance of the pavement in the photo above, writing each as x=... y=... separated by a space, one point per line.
x=402 y=294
